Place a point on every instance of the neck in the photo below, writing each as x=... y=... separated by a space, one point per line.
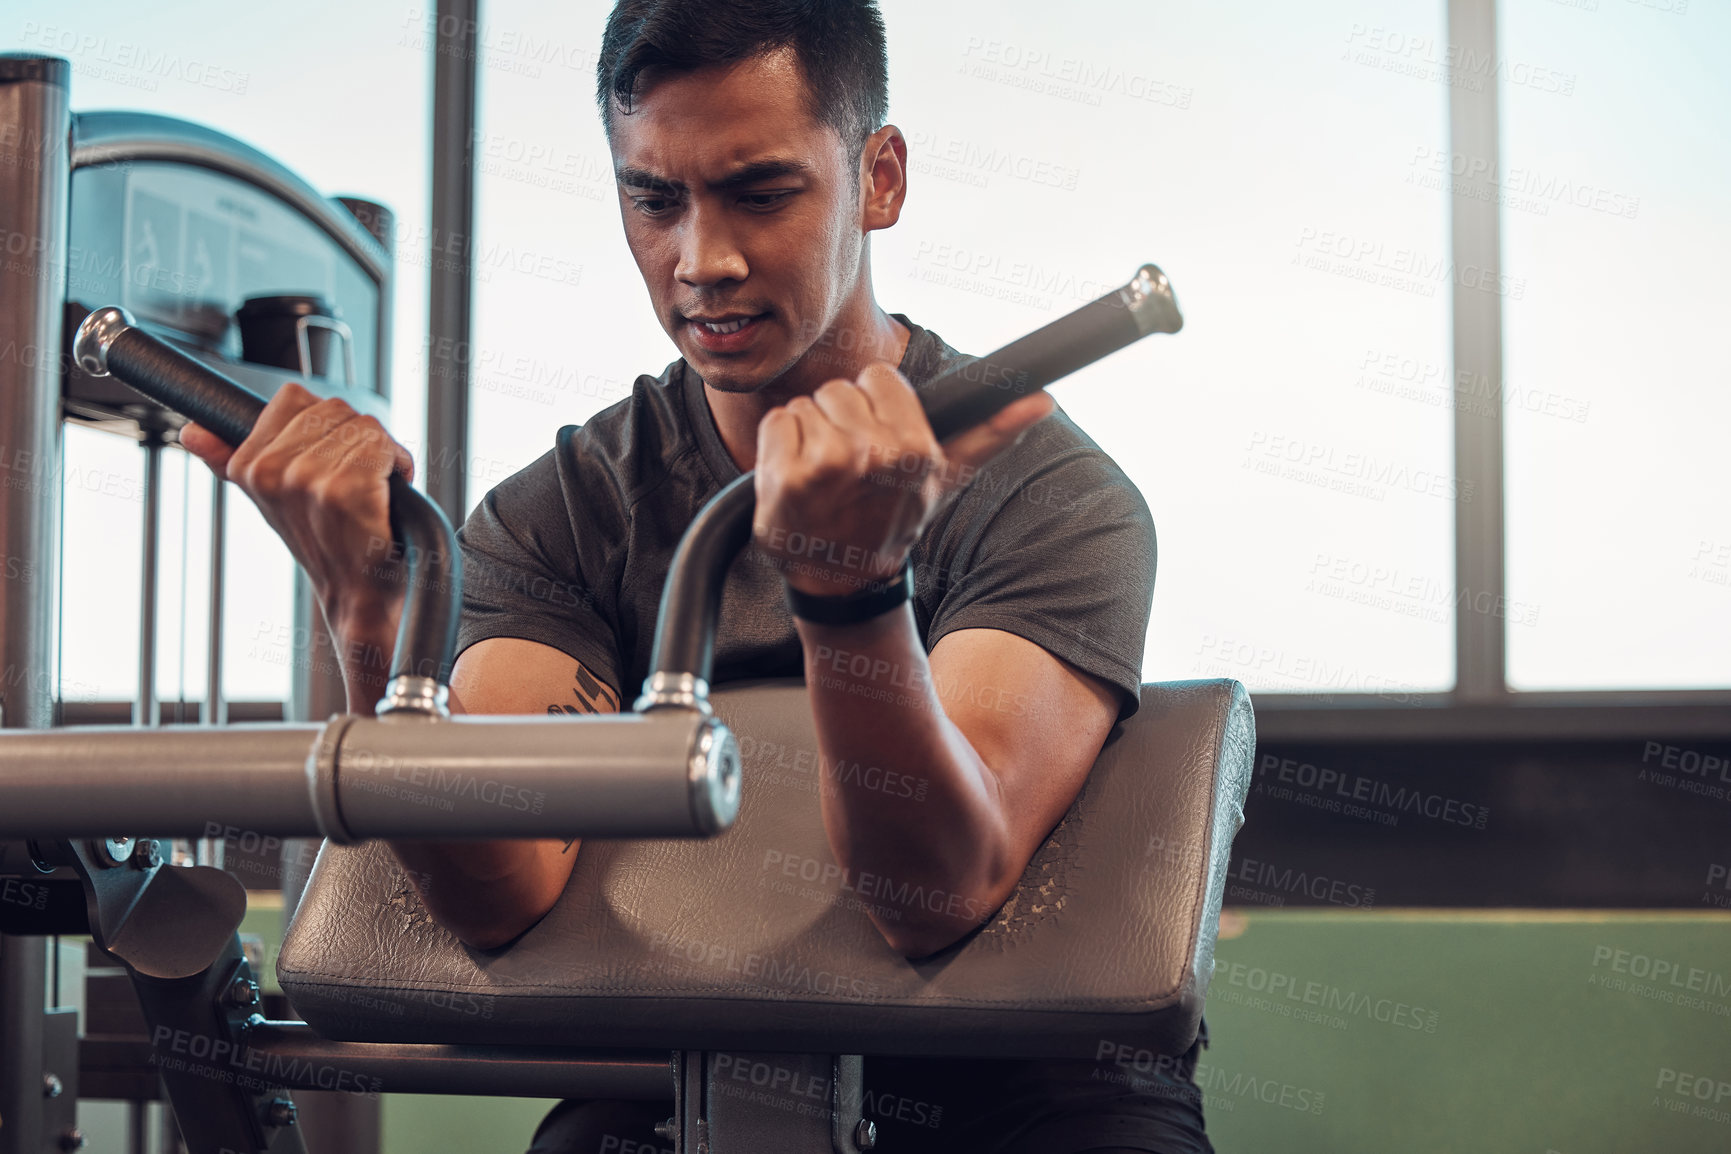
x=843 y=351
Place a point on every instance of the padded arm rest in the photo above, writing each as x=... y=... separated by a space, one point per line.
x=756 y=940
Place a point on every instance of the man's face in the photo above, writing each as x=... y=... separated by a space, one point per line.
x=744 y=214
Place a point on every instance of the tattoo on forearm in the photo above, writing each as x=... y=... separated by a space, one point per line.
x=595 y=697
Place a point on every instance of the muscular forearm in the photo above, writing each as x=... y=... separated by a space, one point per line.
x=365 y=638
x=485 y=892
x=848 y=479
x=907 y=800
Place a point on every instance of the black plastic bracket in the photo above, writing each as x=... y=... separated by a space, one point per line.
x=174 y=927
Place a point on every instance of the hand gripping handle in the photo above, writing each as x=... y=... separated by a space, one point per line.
x=110 y=343
x=957 y=400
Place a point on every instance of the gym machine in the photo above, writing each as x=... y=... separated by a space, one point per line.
x=239 y=262
x=654 y=977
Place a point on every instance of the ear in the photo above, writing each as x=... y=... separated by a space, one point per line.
x=883 y=177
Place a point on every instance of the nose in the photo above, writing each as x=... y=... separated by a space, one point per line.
x=708 y=251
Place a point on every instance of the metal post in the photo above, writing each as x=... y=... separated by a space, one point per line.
x=23 y=982
x=144 y=710
x=450 y=304
x=35 y=176
x=215 y=710
x=1480 y=656
x=711 y=1112
x=137 y=1128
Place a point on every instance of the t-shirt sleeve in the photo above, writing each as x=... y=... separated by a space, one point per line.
x=1067 y=562
x=524 y=575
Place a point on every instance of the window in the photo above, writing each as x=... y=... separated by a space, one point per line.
x=1617 y=397
x=562 y=321
x=1293 y=441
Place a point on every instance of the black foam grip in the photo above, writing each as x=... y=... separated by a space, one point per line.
x=969 y=395
x=189 y=387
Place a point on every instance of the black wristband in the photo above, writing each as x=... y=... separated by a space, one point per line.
x=852 y=608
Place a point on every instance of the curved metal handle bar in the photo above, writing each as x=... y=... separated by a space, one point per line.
x=109 y=342
x=684 y=653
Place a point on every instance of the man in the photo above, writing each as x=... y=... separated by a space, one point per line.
x=753 y=163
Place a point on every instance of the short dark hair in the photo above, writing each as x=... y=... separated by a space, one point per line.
x=839 y=45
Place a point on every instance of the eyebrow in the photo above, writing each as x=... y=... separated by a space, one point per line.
x=770 y=168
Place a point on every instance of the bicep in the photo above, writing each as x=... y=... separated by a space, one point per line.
x=512 y=675
x=1036 y=721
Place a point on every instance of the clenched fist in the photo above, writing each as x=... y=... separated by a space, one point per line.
x=849 y=477
x=320 y=472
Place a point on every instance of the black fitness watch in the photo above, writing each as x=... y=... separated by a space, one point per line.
x=851 y=608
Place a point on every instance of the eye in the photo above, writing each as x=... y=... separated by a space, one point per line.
x=764 y=201
x=652 y=205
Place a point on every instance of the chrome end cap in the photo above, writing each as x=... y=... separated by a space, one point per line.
x=715 y=778
x=95 y=335
x=1150 y=299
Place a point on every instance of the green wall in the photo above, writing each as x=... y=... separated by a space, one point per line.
x=1501 y=1032
x=1409 y=1032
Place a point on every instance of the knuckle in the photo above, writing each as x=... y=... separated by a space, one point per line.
x=263 y=478
x=239 y=462
x=292 y=395
x=882 y=374
x=302 y=474
x=326 y=414
x=318 y=491
x=334 y=490
x=335 y=413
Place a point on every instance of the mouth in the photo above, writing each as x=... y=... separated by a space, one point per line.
x=725 y=332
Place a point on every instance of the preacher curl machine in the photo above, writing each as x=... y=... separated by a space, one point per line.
x=676 y=958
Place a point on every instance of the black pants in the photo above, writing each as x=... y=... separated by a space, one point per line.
x=961 y=1107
